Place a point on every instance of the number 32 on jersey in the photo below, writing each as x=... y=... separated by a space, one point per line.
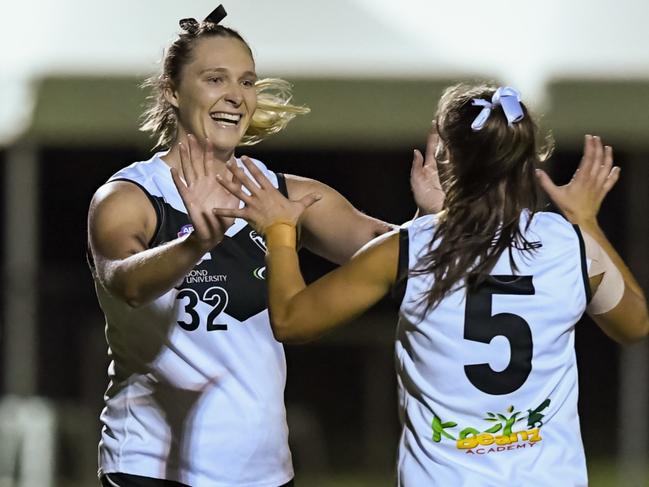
x=215 y=296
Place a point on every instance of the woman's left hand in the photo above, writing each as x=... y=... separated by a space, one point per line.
x=580 y=199
x=265 y=205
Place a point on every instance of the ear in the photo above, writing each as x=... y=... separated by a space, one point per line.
x=170 y=94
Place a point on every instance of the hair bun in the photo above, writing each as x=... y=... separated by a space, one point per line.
x=189 y=25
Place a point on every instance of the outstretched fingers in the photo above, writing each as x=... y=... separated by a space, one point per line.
x=606 y=166
x=547 y=184
x=598 y=156
x=196 y=156
x=188 y=173
x=611 y=179
x=600 y=175
x=235 y=187
x=259 y=177
x=239 y=176
x=586 y=159
x=417 y=163
x=179 y=183
x=229 y=212
x=432 y=145
x=209 y=164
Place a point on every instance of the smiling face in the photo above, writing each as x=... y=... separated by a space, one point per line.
x=215 y=97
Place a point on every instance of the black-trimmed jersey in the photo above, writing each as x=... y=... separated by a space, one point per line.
x=488 y=379
x=196 y=391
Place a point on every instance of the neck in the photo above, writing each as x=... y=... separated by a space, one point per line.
x=172 y=158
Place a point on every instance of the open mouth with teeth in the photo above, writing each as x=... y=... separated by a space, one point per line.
x=226 y=119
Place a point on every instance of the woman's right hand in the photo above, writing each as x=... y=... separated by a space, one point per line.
x=424 y=177
x=264 y=204
x=200 y=191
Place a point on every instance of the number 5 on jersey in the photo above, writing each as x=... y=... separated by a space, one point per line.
x=481 y=326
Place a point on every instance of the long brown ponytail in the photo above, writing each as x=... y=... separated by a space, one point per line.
x=489 y=181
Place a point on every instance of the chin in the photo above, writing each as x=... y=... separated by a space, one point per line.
x=225 y=143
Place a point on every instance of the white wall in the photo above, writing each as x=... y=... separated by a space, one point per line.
x=523 y=42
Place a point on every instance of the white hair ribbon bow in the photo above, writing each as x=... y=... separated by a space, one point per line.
x=510 y=101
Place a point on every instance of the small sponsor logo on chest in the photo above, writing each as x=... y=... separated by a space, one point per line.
x=185 y=230
x=258 y=239
x=202 y=275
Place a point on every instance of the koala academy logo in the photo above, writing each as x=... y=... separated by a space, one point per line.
x=260 y=273
x=499 y=437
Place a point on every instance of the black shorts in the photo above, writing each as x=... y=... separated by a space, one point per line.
x=128 y=480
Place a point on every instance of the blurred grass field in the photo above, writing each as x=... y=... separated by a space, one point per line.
x=601 y=474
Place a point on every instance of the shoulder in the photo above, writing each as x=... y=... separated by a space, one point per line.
x=299 y=186
x=120 y=202
x=388 y=242
x=550 y=218
x=546 y=226
x=380 y=256
x=423 y=224
x=141 y=171
x=118 y=192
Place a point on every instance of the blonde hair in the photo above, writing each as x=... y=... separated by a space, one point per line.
x=274 y=108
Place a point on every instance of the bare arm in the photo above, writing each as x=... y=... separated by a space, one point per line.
x=121 y=223
x=628 y=321
x=333 y=228
x=300 y=313
x=580 y=201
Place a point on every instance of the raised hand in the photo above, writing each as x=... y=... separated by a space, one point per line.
x=200 y=191
x=264 y=205
x=581 y=198
x=424 y=178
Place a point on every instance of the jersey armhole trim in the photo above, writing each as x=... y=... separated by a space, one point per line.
x=157 y=207
x=281 y=184
x=584 y=264
x=401 y=282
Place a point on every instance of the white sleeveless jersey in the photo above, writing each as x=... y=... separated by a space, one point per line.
x=196 y=391
x=488 y=380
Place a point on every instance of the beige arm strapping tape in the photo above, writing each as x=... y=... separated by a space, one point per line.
x=611 y=289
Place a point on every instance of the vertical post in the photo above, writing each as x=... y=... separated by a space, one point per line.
x=633 y=445
x=21 y=265
x=379 y=396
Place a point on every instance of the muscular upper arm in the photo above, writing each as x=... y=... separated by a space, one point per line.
x=628 y=321
x=121 y=222
x=619 y=311
x=332 y=227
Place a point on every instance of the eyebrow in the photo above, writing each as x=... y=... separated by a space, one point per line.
x=251 y=74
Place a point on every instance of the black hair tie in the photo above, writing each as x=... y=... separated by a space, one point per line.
x=217 y=15
x=189 y=25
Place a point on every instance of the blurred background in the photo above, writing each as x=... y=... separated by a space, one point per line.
x=371 y=71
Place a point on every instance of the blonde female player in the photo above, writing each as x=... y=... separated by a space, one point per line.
x=492 y=290
x=196 y=393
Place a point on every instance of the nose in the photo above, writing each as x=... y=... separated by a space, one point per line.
x=234 y=95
